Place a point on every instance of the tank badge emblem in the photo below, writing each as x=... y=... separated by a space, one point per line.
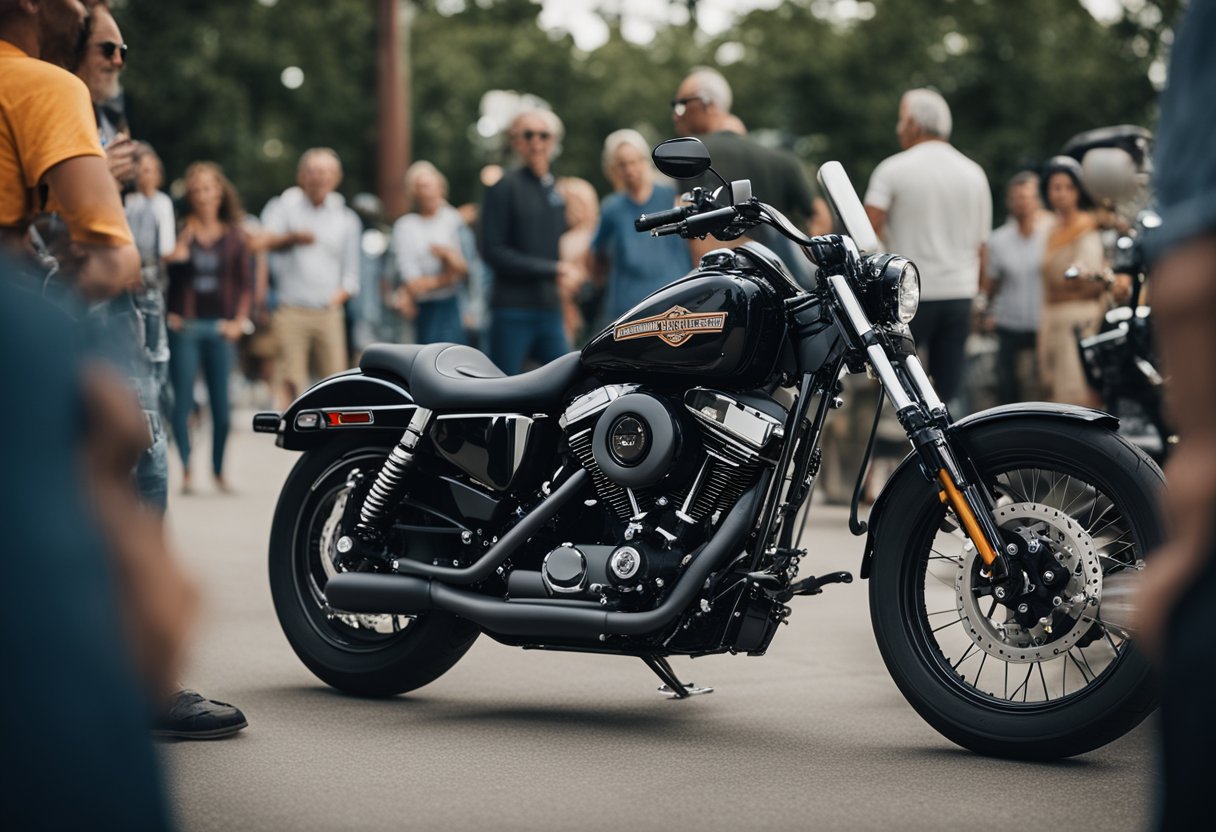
x=673 y=327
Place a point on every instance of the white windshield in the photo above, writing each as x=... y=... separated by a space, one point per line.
x=839 y=192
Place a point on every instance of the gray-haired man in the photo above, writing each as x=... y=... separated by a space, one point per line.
x=932 y=204
x=702 y=108
x=317 y=238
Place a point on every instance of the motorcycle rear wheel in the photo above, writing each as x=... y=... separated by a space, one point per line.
x=1073 y=481
x=364 y=655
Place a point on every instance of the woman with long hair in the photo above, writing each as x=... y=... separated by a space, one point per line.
x=210 y=293
x=1068 y=305
x=574 y=247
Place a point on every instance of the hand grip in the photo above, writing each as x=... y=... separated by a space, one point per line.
x=646 y=222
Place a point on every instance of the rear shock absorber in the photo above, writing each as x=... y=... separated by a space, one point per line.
x=389 y=486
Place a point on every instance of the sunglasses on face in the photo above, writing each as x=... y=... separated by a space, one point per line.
x=109 y=47
x=680 y=105
x=529 y=135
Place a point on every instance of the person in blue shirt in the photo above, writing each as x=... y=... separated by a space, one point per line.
x=634 y=264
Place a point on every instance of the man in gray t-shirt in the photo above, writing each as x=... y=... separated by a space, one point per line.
x=1013 y=281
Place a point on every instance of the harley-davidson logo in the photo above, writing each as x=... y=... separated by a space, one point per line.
x=673 y=327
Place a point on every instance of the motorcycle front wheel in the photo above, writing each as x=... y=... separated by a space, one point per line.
x=365 y=655
x=991 y=677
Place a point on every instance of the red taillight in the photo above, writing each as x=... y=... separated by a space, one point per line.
x=349 y=417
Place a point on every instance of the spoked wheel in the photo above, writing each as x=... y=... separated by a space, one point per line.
x=368 y=655
x=1051 y=672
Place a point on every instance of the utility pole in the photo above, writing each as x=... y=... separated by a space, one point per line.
x=393 y=110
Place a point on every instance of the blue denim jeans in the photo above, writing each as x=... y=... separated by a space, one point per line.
x=117 y=331
x=199 y=343
x=439 y=321
x=516 y=334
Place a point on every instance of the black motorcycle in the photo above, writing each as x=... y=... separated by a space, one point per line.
x=1120 y=360
x=644 y=498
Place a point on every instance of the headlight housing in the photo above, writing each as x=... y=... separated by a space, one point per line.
x=891 y=290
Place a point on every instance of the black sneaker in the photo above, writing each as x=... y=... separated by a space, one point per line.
x=191 y=716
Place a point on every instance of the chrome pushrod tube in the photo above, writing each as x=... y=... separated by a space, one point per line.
x=882 y=365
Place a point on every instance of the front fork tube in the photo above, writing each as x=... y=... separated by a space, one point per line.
x=925 y=422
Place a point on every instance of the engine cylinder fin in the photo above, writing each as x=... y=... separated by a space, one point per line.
x=608 y=491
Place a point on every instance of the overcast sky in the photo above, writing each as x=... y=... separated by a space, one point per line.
x=640 y=18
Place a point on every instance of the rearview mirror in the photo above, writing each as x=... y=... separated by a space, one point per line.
x=685 y=158
x=844 y=201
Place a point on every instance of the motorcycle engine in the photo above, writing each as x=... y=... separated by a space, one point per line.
x=665 y=467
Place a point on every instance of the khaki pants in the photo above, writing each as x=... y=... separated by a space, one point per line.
x=304 y=334
x=1060 y=370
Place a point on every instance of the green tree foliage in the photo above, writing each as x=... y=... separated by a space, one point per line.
x=204 y=79
x=203 y=82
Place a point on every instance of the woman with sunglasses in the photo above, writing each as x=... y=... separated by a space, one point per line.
x=210 y=293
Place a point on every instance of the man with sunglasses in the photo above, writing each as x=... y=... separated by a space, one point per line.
x=702 y=108
x=100 y=63
x=522 y=221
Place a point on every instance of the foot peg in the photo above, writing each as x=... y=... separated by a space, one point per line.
x=673 y=688
x=813 y=586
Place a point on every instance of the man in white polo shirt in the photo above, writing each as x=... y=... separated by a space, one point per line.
x=317 y=239
x=932 y=204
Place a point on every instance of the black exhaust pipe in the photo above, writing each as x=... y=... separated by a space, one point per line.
x=493 y=557
x=363 y=592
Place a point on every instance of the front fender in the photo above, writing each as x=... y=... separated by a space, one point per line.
x=369 y=403
x=909 y=468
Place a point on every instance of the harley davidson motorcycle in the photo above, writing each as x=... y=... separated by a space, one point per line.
x=644 y=497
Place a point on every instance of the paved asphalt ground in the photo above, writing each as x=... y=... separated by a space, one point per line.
x=814 y=736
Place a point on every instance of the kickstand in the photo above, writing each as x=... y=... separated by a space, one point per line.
x=672 y=688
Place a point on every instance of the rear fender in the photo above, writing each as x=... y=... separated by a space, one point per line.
x=350 y=401
x=909 y=469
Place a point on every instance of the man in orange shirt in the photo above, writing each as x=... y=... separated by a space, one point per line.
x=50 y=155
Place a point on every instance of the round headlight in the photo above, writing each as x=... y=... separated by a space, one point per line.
x=891 y=289
x=909 y=293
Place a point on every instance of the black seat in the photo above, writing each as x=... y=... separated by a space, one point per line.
x=395 y=359
x=454 y=377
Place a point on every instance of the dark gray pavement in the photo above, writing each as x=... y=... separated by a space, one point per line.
x=813 y=736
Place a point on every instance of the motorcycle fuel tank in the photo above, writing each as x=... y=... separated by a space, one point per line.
x=711 y=324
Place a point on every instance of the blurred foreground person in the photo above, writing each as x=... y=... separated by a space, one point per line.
x=427 y=247
x=635 y=264
x=932 y=204
x=210 y=297
x=316 y=240
x=1068 y=305
x=1180 y=581
x=522 y=223
x=1014 y=282
x=76 y=702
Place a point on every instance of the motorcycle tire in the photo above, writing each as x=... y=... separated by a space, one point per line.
x=348 y=652
x=1105 y=707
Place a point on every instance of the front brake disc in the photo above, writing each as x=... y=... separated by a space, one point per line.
x=1007 y=639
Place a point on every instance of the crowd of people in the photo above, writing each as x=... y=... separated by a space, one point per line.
x=167 y=291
